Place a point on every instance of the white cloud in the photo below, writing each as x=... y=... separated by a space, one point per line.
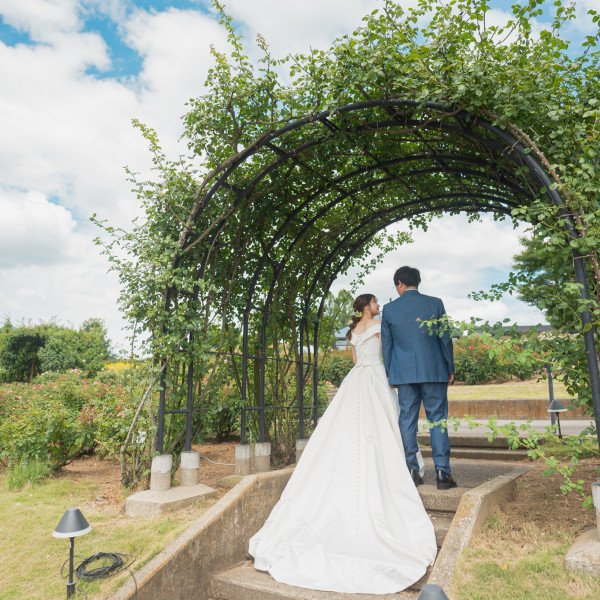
x=292 y=27
x=66 y=135
x=34 y=231
x=41 y=19
x=175 y=47
x=455 y=258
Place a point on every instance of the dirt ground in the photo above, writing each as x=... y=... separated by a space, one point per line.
x=107 y=473
x=537 y=498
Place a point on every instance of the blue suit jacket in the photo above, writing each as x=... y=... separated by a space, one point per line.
x=410 y=354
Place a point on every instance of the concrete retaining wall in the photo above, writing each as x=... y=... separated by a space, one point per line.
x=475 y=507
x=506 y=409
x=214 y=543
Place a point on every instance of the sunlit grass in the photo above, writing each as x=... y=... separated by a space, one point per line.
x=32 y=558
x=521 y=565
x=512 y=390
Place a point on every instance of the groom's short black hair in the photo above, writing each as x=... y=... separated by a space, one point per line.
x=409 y=276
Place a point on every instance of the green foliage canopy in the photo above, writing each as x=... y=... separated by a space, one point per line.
x=29 y=350
x=299 y=165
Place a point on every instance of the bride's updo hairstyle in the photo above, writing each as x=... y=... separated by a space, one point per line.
x=359 y=307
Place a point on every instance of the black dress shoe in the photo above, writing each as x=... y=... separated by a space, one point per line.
x=444 y=481
x=417 y=479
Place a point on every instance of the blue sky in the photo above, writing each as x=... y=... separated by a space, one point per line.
x=74 y=73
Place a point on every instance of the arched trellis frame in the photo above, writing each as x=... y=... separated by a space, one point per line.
x=330 y=182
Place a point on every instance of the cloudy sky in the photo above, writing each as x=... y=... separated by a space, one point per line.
x=74 y=73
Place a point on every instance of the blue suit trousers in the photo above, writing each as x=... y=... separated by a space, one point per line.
x=435 y=401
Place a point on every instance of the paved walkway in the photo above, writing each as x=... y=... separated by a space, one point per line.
x=568 y=427
x=468 y=473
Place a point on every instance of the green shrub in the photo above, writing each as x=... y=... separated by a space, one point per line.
x=45 y=430
x=478 y=359
x=61 y=416
x=223 y=412
x=27 y=471
x=336 y=366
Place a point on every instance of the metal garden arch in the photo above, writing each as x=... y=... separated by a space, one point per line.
x=446 y=161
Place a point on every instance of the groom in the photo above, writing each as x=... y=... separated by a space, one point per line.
x=421 y=366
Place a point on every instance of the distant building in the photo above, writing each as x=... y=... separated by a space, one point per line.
x=341 y=343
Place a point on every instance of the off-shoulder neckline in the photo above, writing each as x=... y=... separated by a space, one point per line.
x=367 y=329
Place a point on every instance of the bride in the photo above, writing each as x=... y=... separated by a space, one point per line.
x=350 y=518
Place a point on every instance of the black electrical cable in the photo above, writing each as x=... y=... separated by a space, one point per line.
x=102 y=564
x=111 y=563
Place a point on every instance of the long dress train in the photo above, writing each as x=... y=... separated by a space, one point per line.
x=350 y=518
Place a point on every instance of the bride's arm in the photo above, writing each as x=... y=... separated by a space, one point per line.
x=354 y=359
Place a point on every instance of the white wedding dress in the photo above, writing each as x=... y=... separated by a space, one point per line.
x=350 y=518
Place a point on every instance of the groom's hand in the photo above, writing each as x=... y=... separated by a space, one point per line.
x=451 y=379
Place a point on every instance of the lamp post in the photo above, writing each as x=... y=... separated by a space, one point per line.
x=556 y=407
x=550 y=390
x=72 y=524
x=431 y=591
x=596 y=500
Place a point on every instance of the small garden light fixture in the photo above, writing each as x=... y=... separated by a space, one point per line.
x=556 y=407
x=71 y=525
x=432 y=592
x=596 y=500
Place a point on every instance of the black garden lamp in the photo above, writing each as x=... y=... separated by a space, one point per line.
x=432 y=592
x=71 y=525
x=556 y=407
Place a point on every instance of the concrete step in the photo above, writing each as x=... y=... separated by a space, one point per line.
x=482 y=454
x=445 y=501
x=477 y=439
x=244 y=582
x=441 y=523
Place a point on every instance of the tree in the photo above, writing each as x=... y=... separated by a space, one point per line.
x=543 y=272
x=286 y=179
x=29 y=350
x=19 y=358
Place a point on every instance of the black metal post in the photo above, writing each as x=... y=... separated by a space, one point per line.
x=244 y=376
x=558 y=421
x=550 y=390
x=263 y=373
x=300 y=375
x=71 y=583
x=160 y=434
x=588 y=340
x=190 y=405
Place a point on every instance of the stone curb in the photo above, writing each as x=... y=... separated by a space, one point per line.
x=214 y=543
x=475 y=507
x=218 y=540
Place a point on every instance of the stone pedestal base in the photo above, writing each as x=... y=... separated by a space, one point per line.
x=262 y=457
x=584 y=554
x=190 y=468
x=243 y=457
x=149 y=504
x=300 y=445
x=160 y=473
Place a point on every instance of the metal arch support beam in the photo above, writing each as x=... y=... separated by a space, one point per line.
x=345 y=258
x=371 y=184
x=586 y=319
x=536 y=174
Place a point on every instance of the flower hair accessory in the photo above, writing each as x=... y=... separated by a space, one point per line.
x=358 y=314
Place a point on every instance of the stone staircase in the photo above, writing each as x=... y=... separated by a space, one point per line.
x=474 y=447
x=243 y=582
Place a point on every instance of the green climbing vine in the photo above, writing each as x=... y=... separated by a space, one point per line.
x=285 y=188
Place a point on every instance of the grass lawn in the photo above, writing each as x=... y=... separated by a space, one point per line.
x=32 y=558
x=527 y=564
x=520 y=552
x=511 y=390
